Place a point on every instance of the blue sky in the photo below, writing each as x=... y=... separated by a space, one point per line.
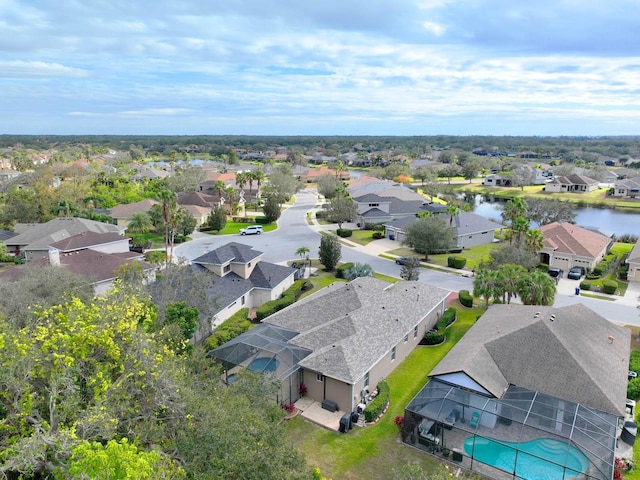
x=289 y=67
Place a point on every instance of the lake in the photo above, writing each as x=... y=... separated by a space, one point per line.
x=617 y=221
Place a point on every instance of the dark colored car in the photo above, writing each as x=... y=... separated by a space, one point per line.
x=401 y=260
x=575 y=273
x=556 y=272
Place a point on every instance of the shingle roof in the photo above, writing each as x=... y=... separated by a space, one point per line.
x=634 y=256
x=630 y=183
x=572 y=239
x=196 y=198
x=569 y=356
x=39 y=236
x=351 y=326
x=6 y=235
x=467 y=223
x=574 y=179
x=86 y=240
x=231 y=252
x=127 y=210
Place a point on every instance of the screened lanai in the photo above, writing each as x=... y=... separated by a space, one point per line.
x=264 y=349
x=525 y=434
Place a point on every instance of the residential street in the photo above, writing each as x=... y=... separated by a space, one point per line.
x=293 y=232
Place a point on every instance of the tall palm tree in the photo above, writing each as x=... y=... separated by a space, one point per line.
x=219 y=187
x=510 y=278
x=537 y=288
x=514 y=209
x=259 y=177
x=169 y=205
x=534 y=240
x=302 y=251
x=251 y=176
x=140 y=222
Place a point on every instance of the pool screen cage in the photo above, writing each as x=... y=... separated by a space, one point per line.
x=264 y=349
x=572 y=441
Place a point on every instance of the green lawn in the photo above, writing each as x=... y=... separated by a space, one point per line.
x=374 y=451
x=233 y=228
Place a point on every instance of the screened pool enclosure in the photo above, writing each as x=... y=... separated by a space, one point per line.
x=264 y=349
x=525 y=434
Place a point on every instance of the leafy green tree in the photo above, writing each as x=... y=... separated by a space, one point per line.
x=448 y=172
x=446 y=156
x=330 y=252
x=514 y=255
x=470 y=170
x=410 y=269
x=329 y=186
x=271 y=208
x=119 y=460
x=428 y=235
x=186 y=223
x=282 y=184
x=544 y=211
x=341 y=209
x=217 y=219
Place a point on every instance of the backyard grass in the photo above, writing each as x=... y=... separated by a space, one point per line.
x=374 y=451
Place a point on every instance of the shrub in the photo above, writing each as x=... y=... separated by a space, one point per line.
x=456 y=261
x=242 y=219
x=466 y=299
x=435 y=338
x=340 y=271
x=375 y=408
x=377 y=235
x=609 y=286
x=229 y=329
x=378 y=228
x=634 y=361
x=633 y=388
x=584 y=285
x=448 y=317
x=344 y=232
x=261 y=220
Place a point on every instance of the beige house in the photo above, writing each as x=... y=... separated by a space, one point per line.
x=341 y=341
x=121 y=214
x=633 y=264
x=567 y=245
x=627 y=188
x=572 y=184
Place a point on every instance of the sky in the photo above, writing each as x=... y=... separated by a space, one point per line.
x=293 y=67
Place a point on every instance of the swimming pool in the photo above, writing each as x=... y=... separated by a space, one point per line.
x=264 y=364
x=539 y=459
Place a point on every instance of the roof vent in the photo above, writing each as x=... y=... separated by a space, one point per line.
x=537 y=314
x=553 y=317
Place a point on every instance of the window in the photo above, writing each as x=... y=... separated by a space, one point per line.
x=243 y=300
x=319 y=377
x=393 y=354
x=406 y=338
x=415 y=331
x=366 y=379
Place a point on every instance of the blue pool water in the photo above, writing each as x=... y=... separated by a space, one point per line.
x=540 y=459
x=263 y=364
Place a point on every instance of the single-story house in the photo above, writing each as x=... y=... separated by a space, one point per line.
x=529 y=392
x=122 y=213
x=243 y=280
x=347 y=337
x=627 y=188
x=97 y=256
x=572 y=183
x=633 y=263
x=33 y=239
x=311 y=175
x=566 y=245
x=470 y=229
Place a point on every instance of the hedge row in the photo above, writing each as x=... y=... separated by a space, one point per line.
x=229 y=329
x=375 y=408
x=289 y=297
x=466 y=299
x=633 y=387
x=438 y=336
x=448 y=317
x=604 y=266
x=456 y=261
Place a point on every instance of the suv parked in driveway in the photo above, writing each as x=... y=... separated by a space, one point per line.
x=575 y=273
x=251 y=230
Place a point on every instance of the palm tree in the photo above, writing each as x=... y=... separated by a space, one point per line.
x=302 y=251
x=259 y=177
x=219 y=187
x=510 y=277
x=514 y=209
x=534 y=240
x=140 y=222
x=251 y=176
x=519 y=227
x=453 y=211
x=167 y=200
x=537 y=288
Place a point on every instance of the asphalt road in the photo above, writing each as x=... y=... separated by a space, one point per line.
x=294 y=232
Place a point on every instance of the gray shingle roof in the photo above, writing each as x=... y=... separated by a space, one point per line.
x=467 y=223
x=39 y=236
x=86 y=240
x=231 y=252
x=634 y=256
x=351 y=326
x=569 y=357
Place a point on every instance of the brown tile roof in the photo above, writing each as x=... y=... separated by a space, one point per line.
x=314 y=173
x=127 y=210
x=196 y=198
x=572 y=239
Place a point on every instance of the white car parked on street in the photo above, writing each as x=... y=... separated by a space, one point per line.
x=251 y=230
